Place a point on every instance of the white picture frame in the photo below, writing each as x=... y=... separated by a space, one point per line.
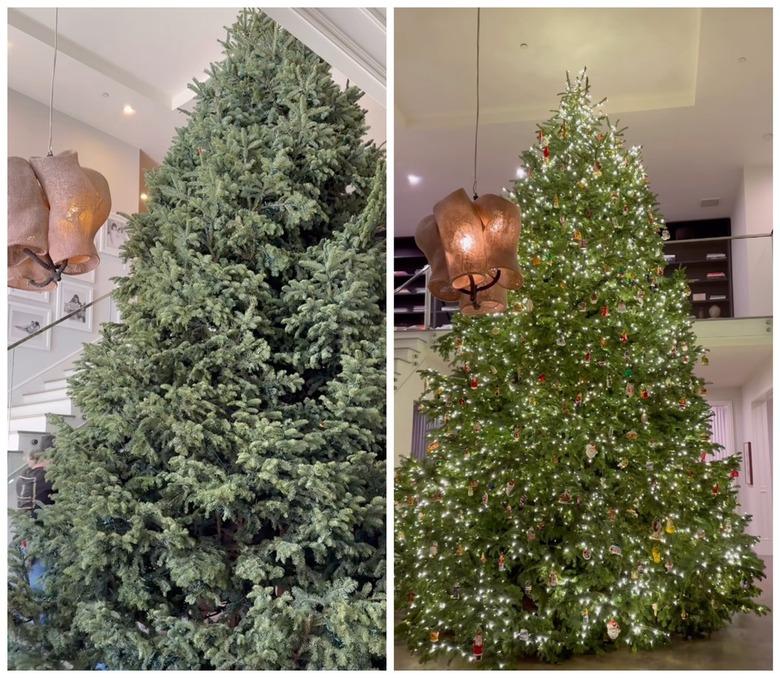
x=70 y=295
x=113 y=235
x=114 y=314
x=34 y=297
x=24 y=320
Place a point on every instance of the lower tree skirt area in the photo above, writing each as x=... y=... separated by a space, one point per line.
x=745 y=644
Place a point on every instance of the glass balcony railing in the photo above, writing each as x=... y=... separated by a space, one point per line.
x=729 y=277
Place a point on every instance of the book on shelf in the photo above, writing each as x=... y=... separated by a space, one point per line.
x=716 y=256
x=699 y=296
x=670 y=258
x=717 y=297
x=716 y=275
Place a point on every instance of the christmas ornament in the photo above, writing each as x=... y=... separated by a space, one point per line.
x=552 y=579
x=669 y=565
x=612 y=515
x=556 y=202
x=459 y=550
x=587 y=357
x=656 y=554
x=623 y=463
x=541 y=379
x=613 y=629
x=477 y=647
x=434 y=636
x=433 y=446
x=510 y=487
x=473 y=484
x=410 y=596
x=434 y=549
x=654 y=606
x=585 y=616
x=456 y=592
x=586 y=554
x=561 y=341
x=621 y=307
x=629 y=389
x=604 y=311
x=536 y=261
x=524 y=635
x=715 y=489
x=645 y=394
x=615 y=550
x=670 y=528
x=501 y=562
x=683 y=615
x=632 y=435
x=624 y=337
x=485 y=499
x=531 y=534
x=657 y=531
x=473 y=383
x=546 y=152
x=734 y=474
x=591 y=450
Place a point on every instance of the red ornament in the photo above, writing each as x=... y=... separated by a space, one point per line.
x=716 y=489
x=703 y=457
x=604 y=311
x=734 y=474
x=546 y=151
x=478 y=646
x=541 y=378
x=410 y=596
x=587 y=357
x=624 y=338
x=645 y=394
x=473 y=383
x=461 y=402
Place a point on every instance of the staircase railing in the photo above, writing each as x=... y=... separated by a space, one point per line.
x=80 y=309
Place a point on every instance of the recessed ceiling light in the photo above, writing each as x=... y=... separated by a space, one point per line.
x=128 y=110
x=144 y=197
x=742 y=59
x=105 y=95
x=523 y=44
x=413 y=179
x=521 y=173
x=710 y=202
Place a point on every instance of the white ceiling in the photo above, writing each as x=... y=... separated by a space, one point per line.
x=146 y=57
x=673 y=76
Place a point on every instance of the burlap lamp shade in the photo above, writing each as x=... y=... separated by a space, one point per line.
x=28 y=213
x=79 y=202
x=501 y=221
x=491 y=300
x=427 y=238
x=28 y=271
x=460 y=230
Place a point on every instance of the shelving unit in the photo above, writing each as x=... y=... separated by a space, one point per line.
x=409 y=305
x=707 y=264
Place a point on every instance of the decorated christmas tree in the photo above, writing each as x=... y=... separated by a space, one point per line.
x=223 y=505
x=568 y=501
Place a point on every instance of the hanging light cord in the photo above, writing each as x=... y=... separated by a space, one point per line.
x=53 y=70
x=476 y=120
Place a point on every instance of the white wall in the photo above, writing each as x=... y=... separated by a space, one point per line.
x=752 y=259
x=118 y=162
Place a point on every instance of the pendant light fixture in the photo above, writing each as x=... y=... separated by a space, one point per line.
x=55 y=208
x=471 y=244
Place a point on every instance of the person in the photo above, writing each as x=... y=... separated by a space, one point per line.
x=34 y=490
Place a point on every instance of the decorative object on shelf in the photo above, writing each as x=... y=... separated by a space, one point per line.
x=113 y=235
x=24 y=321
x=72 y=296
x=714 y=311
x=55 y=208
x=471 y=244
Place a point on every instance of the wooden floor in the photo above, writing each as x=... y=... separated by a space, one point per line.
x=745 y=644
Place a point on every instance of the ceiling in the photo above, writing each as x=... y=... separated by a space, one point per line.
x=734 y=366
x=692 y=85
x=146 y=57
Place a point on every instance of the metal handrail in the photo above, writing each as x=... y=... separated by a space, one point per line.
x=719 y=238
x=57 y=322
x=423 y=270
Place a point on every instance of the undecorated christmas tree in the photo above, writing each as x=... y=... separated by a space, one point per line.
x=569 y=501
x=223 y=505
